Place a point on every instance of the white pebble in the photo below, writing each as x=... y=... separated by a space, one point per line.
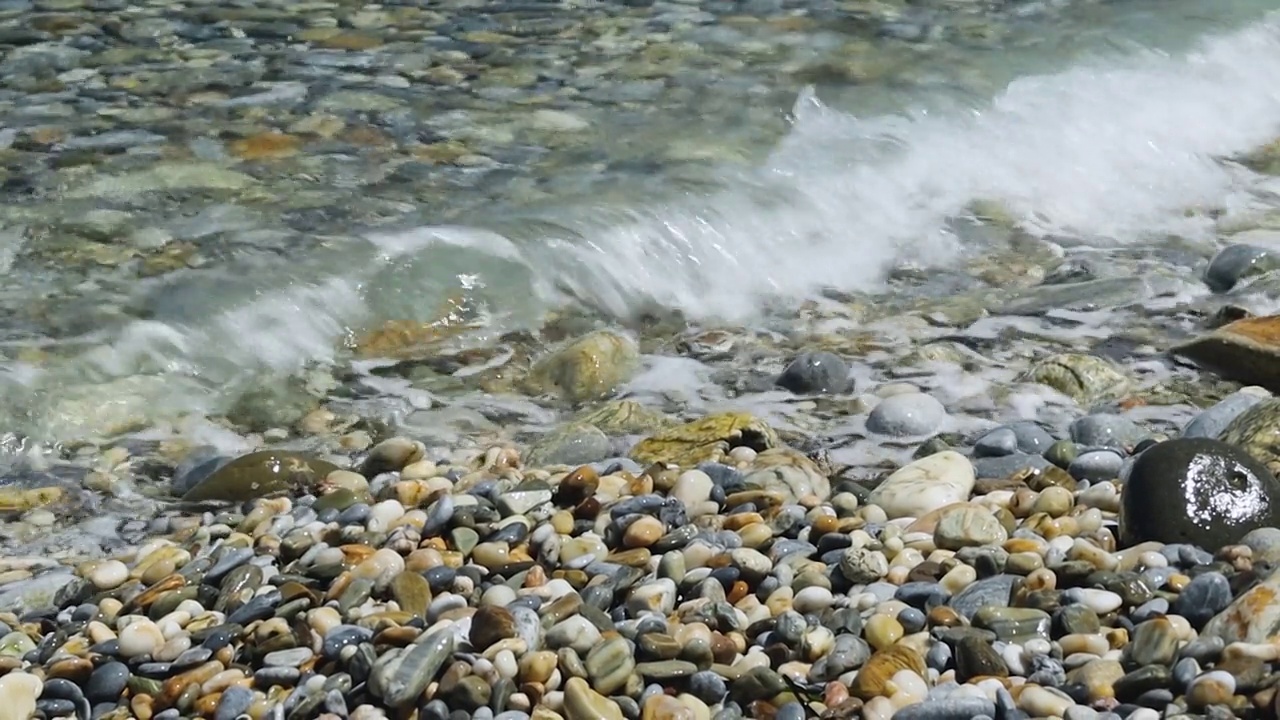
x=191 y=607
x=878 y=708
x=1221 y=677
x=141 y=637
x=911 y=684
x=505 y=664
x=693 y=487
x=109 y=574
x=1012 y=656
x=1151 y=559
x=812 y=599
x=1099 y=601
x=172 y=648
x=1037 y=646
x=18 y=692
x=1043 y=702
x=383 y=514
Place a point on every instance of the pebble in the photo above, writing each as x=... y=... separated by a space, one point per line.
x=907 y=415
x=815 y=372
x=925 y=485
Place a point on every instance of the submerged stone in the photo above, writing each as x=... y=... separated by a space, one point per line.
x=259 y=474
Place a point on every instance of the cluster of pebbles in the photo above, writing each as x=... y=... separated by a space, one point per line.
x=1013 y=577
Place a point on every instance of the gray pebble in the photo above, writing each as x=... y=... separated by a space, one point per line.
x=815 y=372
x=998 y=442
x=1096 y=465
x=1265 y=544
x=1205 y=596
x=952 y=708
x=1106 y=430
x=907 y=415
x=234 y=702
x=1211 y=422
x=107 y=682
x=1233 y=263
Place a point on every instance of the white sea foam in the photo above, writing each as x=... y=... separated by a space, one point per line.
x=1112 y=152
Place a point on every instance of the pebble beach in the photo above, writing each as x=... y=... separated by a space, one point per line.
x=639 y=360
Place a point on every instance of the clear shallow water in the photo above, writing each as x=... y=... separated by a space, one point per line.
x=1104 y=125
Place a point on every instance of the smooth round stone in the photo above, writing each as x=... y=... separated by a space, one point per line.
x=140 y=638
x=708 y=687
x=912 y=620
x=259 y=473
x=1205 y=596
x=107 y=682
x=1198 y=491
x=790 y=711
x=18 y=692
x=1032 y=439
x=342 y=636
x=1106 y=430
x=235 y=701
x=811 y=373
x=109 y=574
x=1211 y=422
x=1212 y=688
x=1265 y=544
x=1096 y=465
x=907 y=415
x=693 y=488
x=939 y=657
x=1235 y=262
x=998 y=442
x=812 y=599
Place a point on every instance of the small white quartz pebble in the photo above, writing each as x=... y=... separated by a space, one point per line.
x=812 y=599
x=109 y=574
x=18 y=694
x=1099 y=601
x=141 y=637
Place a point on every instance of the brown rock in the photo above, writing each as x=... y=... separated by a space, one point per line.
x=643 y=532
x=1246 y=351
x=265 y=146
x=576 y=487
x=412 y=592
x=882 y=666
x=490 y=625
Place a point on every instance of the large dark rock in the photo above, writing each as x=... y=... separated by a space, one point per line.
x=255 y=475
x=1197 y=490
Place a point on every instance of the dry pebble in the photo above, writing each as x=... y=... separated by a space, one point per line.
x=472 y=583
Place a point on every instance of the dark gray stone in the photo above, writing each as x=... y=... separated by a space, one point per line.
x=1198 y=491
x=811 y=373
